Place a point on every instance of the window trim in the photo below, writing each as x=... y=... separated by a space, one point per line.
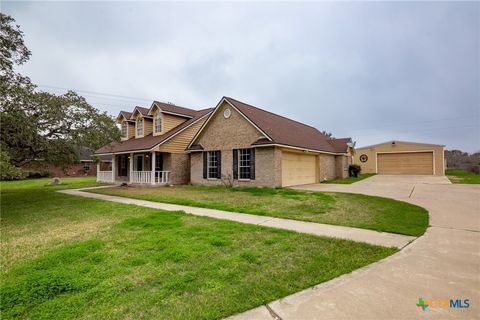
x=124 y=126
x=157 y=121
x=212 y=154
x=139 y=120
x=249 y=166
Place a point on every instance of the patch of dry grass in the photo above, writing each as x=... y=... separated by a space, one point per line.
x=35 y=219
x=29 y=242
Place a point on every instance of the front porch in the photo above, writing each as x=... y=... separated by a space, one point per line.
x=141 y=168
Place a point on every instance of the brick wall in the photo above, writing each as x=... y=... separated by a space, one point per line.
x=341 y=166
x=225 y=135
x=179 y=165
x=327 y=167
x=76 y=170
x=267 y=169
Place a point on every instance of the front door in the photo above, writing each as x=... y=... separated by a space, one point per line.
x=138 y=162
x=122 y=168
x=159 y=161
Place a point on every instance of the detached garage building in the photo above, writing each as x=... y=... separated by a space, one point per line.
x=401 y=157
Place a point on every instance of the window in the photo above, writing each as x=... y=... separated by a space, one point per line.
x=212 y=164
x=243 y=166
x=139 y=126
x=124 y=129
x=158 y=122
x=86 y=166
x=244 y=158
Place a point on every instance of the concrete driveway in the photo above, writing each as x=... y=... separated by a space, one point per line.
x=442 y=264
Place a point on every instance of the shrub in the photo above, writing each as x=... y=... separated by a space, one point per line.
x=38 y=174
x=354 y=170
x=474 y=169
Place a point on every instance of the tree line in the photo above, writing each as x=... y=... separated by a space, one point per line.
x=37 y=125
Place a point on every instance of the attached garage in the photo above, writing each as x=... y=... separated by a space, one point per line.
x=298 y=168
x=401 y=157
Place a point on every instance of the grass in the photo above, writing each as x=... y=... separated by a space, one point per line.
x=462 y=176
x=344 y=209
x=350 y=180
x=67 y=257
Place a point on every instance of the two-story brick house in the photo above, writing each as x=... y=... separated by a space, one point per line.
x=233 y=143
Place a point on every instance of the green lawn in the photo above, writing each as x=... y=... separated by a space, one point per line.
x=462 y=176
x=66 y=257
x=350 y=180
x=352 y=210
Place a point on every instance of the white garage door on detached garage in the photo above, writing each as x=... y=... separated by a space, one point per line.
x=405 y=163
x=401 y=157
x=298 y=168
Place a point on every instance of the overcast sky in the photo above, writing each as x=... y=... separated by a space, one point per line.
x=373 y=71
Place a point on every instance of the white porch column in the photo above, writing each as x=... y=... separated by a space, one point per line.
x=113 y=167
x=131 y=168
x=98 y=170
x=152 y=167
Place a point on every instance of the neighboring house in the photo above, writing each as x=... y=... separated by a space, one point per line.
x=401 y=157
x=243 y=145
x=86 y=160
x=84 y=167
x=152 y=148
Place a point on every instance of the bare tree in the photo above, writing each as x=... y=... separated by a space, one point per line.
x=227 y=180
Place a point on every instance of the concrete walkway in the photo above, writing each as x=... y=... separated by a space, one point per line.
x=355 y=234
x=442 y=264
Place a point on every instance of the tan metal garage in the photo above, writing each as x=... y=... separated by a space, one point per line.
x=298 y=168
x=401 y=157
x=405 y=163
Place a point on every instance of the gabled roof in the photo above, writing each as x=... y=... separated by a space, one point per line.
x=125 y=114
x=280 y=130
x=143 y=111
x=173 y=109
x=85 y=153
x=395 y=141
x=340 y=144
x=150 y=141
x=196 y=147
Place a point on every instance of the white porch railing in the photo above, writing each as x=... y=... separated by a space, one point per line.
x=105 y=176
x=141 y=177
x=145 y=177
x=162 y=177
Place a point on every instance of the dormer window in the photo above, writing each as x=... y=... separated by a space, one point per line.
x=124 y=129
x=158 y=122
x=139 y=126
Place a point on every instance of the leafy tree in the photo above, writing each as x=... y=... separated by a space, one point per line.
x=7 y=170
x=12 y=48
x=36 y=125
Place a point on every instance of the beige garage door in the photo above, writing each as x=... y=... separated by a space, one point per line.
x=298 y=169
x=405 y=163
